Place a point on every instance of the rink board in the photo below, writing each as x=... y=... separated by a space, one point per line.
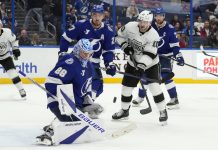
x=36 y=62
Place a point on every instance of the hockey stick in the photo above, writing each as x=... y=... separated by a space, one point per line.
x=83 y=117
x=145 y=79
x=202 y=50
x=189 y=65
x=146 y=110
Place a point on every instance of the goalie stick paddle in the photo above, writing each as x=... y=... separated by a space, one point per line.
x=202 y=50
x=98 y=128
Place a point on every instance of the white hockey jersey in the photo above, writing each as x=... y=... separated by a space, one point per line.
x=144 y=44
x=7 y=42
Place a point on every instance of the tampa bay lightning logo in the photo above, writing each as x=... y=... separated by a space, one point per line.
x=86 y=87
x=84 y=9
x=162 y=42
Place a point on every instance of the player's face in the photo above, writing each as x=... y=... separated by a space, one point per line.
x=159 y=18
x=97 y=19
x=84 y=55
x=143 y=25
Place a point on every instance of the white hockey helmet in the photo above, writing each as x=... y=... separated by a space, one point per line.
x=145 y=16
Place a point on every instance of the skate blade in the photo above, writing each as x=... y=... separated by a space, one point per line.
x=23 y=98
x=44 y=142
x=173 y=107
x=124 y=118
x=163 y=123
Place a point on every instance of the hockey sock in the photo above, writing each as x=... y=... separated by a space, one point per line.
x=15 y=78
x=171 y=88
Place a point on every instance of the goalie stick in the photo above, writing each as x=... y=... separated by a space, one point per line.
x=83 y=117
x=189 y=65
x=202 y=50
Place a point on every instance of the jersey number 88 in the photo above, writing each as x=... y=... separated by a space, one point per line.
x=61 y=72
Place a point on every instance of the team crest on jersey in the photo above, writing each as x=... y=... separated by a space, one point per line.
x=84 y=9
x=86 y=87
x=69 y=61
x=3 y=46
x=137 y=45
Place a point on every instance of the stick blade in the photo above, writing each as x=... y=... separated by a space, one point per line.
x=145 y=111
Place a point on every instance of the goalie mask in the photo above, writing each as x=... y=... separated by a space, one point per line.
x=83 y=50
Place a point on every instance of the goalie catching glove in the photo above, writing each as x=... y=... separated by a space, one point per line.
x=93 y=110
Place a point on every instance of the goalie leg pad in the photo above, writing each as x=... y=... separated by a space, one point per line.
x=73 y=132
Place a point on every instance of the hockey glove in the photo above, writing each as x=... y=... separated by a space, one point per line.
x=180 y=59
x=94 y=110
x=61 y=55
x=129 y=50
x=141 y=71
x=111 y=70
x=16 y=53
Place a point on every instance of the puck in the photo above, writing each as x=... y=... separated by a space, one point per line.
x=115 y=99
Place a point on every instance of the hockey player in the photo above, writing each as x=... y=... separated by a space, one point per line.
x=168 y=46
x=98 y=31
x=7 y=42
x=75 y=69
x=140 y=41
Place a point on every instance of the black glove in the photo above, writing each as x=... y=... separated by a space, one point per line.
x=111 y=70
x=140 y=69
x=16 y=53
x=128 y=50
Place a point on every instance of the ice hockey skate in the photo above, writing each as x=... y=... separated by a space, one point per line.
x=163 y=117
x=137 y=102
x=44 y=139
x=22 y=93
x=121 y=115
x=173 y=103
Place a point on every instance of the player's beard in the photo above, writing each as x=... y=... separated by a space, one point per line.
x=96 y=23
x=159 y=22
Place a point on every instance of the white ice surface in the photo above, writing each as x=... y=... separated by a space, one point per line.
x=193 y=127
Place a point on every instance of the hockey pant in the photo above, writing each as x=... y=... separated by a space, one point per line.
x=166 y=67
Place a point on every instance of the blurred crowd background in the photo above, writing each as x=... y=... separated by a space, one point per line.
x=42 y=22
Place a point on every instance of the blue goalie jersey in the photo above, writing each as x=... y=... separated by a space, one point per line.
x=168 y=44
x=69 y=70
x=84 y=29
